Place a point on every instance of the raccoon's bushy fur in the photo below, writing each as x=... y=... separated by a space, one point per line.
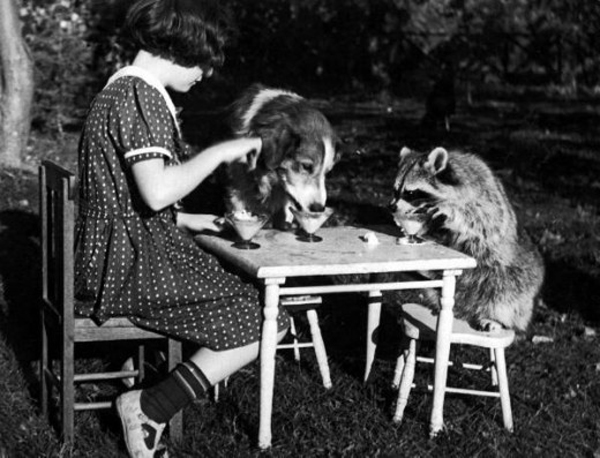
x=466 y=208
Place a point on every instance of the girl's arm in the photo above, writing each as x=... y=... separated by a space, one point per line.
x=198 y=222
x=161 y=185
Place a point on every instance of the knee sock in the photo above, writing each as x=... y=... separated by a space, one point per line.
x=184 y=384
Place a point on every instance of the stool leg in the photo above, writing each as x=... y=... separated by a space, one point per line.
x=399 y=370
x=319 y=346
x=373 y=318
x=401 y=360
x=295 y=339
x=503 y=388
x=493 y=371
x=406 y=380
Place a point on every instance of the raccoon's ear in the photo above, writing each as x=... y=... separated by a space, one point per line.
x=437 y=160
x=405 y=151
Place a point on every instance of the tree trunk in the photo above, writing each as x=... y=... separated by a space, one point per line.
x=16 y=87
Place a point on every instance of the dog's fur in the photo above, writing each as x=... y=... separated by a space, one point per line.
x=298 y=150
x=466 y=208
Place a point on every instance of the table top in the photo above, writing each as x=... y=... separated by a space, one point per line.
x=342 y=251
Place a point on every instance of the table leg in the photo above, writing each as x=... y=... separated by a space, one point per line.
x=374 y=315
x=268 y=348
x=442 y=351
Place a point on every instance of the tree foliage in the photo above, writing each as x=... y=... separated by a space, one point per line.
x=350 y=45
x=57 y=33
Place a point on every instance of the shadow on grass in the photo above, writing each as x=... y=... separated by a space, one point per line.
x=20 y=281
x=569 y=289
x=20 y=275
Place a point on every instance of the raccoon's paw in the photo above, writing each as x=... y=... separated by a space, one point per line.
x=489 y=325
x=433 y=212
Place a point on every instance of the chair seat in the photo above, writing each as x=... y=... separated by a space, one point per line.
x=118 y=328
x=420 y=323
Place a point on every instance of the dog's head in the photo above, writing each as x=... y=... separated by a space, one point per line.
x=299 y=148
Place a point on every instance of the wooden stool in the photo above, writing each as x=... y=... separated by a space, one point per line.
x=308 y=304
x=419 y=323
x=298 y=304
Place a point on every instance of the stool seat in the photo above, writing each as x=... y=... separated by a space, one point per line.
x=419 y=323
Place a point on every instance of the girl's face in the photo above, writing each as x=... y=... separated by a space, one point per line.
x=183 y=78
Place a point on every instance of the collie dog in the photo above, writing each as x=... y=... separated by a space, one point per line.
x=298 y=150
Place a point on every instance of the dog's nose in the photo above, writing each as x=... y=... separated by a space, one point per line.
x=316 y=208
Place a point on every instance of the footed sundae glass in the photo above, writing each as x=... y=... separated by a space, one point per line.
x=246 y=225
x=411 y=224
x=310 y=222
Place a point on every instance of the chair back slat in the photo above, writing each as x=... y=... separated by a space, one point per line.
x=57 y=213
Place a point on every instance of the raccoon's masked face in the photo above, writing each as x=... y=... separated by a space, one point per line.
x=418 y=186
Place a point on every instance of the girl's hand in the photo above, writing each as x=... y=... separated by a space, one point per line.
x=198 y=222
x=241 y=148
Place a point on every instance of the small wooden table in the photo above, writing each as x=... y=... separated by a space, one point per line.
x=342 y=251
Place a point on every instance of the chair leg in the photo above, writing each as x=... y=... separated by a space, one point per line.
x=67 y=391
x=174 y=357
x=319 y=346
x=44 y=361
x=374 y=315
x=141 y=360
x=406 y=380
x=503 y=388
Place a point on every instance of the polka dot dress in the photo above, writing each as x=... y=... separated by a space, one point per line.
x=131 y=261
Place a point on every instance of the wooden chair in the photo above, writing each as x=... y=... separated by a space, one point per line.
x=57 y=212
x=419 y=323
x=295 y=305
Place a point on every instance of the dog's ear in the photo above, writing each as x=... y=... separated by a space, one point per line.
x=338 y=147
x=276 y=144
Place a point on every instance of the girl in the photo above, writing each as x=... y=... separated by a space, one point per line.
x=134 y=254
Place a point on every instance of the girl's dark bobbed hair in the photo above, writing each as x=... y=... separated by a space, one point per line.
x=189 y=33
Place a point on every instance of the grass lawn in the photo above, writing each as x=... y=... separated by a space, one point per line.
x=545 y=148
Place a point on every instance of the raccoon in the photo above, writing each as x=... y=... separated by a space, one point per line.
x=465 y=207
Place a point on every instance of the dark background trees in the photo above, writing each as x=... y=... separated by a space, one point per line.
x=390 y=47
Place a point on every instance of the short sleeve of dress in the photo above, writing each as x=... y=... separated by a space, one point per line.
x=143 y=126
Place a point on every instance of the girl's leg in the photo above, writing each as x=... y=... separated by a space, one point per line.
x=218 y=365
x=144 y=413
x=193 y=378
